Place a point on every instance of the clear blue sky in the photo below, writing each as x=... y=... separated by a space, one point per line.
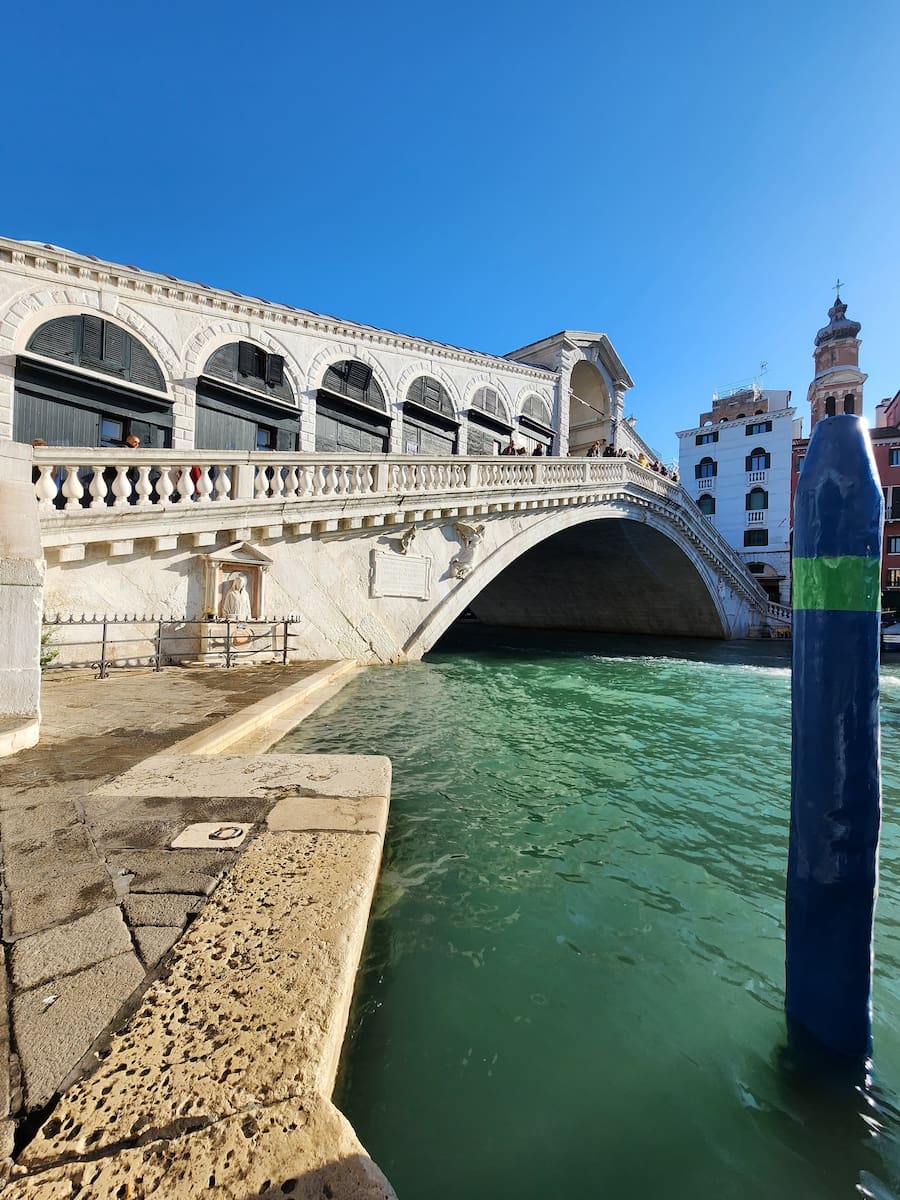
x=688 y=178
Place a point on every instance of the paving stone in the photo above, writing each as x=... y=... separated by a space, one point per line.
x=252 y=1009
x=193 y=776
x=365 y=815
x=159 y=863
x=68 y=948
x=301 y=1148
x=40 y=905
x=4 y=1042
x=209 y=833
x=35 y=821
x=153 y=941
x=121 y=833
x=160 y=910
x=52 y=1038
x=186 y=885
x=61 y=852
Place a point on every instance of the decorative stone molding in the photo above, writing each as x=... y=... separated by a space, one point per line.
x=471 y=536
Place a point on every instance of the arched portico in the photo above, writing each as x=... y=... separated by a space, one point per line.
x=625 y=569
x=590 y=408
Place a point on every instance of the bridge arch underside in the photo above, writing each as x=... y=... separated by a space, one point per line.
x=607 y=576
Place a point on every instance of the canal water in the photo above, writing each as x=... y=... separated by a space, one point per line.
x=573 y=978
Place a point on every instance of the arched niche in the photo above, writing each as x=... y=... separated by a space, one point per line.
x=351 y=410
x=589 y=408
x=245 y=401
x=84 y=380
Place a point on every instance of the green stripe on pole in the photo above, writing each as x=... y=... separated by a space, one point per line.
x=846 y=584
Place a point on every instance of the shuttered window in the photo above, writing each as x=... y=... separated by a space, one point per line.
x=756 y=499
x=537 y=409
x=251 y=367
x=428 y=393
x=758 y=460
x=354 y=380
x=90 y=341
x=706 y=468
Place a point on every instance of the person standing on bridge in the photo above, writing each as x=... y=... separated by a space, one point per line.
x=509 y=448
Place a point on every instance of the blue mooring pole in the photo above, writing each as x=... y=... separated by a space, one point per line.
x=836 y=773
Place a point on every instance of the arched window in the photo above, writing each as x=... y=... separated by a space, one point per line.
x=251 y=367
x=757 y=568
x=354 y=380
x=706 y=468
x=537 y=409
x=245 y=401
x=429 y=424
x=850 y=403
x=830 y=406
x=758 y=460
x=57 y=400
x=707 y=504
x=97 y=345
x=351 y=410
x=757 y=498
x=489 y=425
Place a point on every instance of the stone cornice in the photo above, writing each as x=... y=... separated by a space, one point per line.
x=715 y=426
x=56 y=263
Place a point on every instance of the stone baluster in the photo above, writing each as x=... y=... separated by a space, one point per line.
x=46 y=487
x=71 y=488
x=121 y=487
x=165 y=486
x=261 y=484
x=307 y=480
x=223 y=483
x=143 y=488
x=276 y=485
x=185 y=484
x=290 y=481
x=204 y=486
x=98 y=488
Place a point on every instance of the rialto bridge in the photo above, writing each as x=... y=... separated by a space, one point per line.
x=378 y=556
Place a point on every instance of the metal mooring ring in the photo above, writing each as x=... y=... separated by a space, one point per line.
x=226 y=833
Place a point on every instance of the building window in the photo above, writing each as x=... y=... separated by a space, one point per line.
x=757 y=427
x=98 y=345
x=756 y=499
x=354 y=380
x=706 y=468
x=891 y=503
x=893 y=545
x=756 y=537
x=893 y=577
x=758 y=460
x=757 y=568
x=706 y=439
x=112 y=432
x=799 y=463
x=894 y=459
x=250 y=367
x=850 y=403
x=707 y=505
x=536 y=408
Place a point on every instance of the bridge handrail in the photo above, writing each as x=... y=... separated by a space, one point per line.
x=89 y=480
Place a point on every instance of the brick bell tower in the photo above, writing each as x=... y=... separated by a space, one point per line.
x=838 y=383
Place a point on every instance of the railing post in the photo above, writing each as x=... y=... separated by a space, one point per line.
x=284 y=646
x=242 y=481
x=382 y=476
x=103 y=671
x=158 y=666
x=227 y=642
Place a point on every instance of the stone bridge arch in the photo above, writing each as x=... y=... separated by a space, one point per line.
x=619 y=551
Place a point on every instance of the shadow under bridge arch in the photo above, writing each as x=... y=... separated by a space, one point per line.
x=616 y=573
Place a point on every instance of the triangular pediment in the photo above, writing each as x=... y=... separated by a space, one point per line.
x=239 y=552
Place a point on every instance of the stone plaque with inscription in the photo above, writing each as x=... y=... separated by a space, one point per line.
x=394 y=574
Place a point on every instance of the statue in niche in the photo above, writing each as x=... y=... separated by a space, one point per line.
x=236 y=601
x=471 y=536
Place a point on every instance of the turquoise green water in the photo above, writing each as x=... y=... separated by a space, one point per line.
x=573 y=980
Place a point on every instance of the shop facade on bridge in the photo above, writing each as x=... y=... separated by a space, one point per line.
x=93 y=352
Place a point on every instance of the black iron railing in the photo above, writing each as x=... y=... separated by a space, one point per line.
x=101 y=641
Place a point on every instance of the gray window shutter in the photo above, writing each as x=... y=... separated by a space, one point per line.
x=91 y=340
x=274 y=370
